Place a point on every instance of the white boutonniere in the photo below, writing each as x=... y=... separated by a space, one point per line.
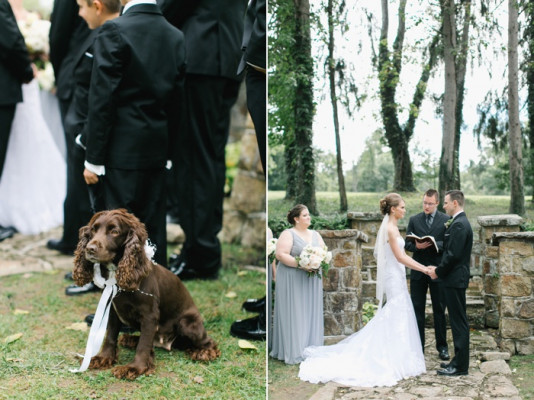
x=448 y=223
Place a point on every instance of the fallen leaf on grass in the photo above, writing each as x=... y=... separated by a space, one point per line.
x=14 y=359
x=231 y=295
x=18 y=311
x=245 y=344
x=12 y=338
x=78 y=326
x=242 y=273
x=198 y=379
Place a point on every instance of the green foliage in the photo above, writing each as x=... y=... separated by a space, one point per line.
x=368 y=312
x=279 y=223
x=232 y=152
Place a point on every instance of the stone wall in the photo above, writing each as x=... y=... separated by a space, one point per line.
x=512 y=289
x=245 y=212
x=343 y=283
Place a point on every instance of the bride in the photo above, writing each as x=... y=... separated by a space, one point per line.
x=32 y=186
x=388 y=348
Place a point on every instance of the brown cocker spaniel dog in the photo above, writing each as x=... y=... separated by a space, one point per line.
x=150 y=297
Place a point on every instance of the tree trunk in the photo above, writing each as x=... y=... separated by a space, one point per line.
x=333 y=98
x=461 y=67
x=446 y=170
x=517 y=197
x=389 y=68
x=304 y=107
x=530 y=82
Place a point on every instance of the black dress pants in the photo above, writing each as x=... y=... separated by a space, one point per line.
x=257 y=107
x=418 y=291
x=7 y=113
x=142 y=193
x=202 y=168
x=456 y=306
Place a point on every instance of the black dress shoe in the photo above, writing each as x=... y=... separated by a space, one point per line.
x=74 y=290
x=6 y=233
x=451 y=371
x=444 y=355
x=178 y=266
x=444 y=365
x=250 y=328
x=57 y=244
x=255 y=305
x=124 y=328
x=68 y=276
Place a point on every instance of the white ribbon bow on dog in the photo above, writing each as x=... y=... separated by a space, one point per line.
x=100 y=321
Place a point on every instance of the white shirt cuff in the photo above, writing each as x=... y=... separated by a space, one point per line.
x=95 y=169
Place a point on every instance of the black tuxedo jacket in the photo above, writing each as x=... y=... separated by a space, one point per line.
x=76 y=117
x=68 y=31
x=213 y=32
x=138 y=74
x=417 y=225
x=15 y=65
x=254 y=37
x=456 y=260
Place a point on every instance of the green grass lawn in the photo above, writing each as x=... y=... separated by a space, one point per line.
x=522 y=374
x=36 y=366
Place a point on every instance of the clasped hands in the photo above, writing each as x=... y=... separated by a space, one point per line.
x=431 y=271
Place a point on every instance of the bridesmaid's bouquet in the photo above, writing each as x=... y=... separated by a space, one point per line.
x=271 y=250
x=315 y=258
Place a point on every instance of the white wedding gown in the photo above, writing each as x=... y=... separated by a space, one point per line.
x=383 y=352
x=32 y=186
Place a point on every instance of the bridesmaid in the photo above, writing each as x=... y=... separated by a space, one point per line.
x=298 y=305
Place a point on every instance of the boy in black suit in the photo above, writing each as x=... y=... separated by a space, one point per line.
x=430 y=222
x=15 y=69
x=454 y=272
x=130 y=126
x=95 y=13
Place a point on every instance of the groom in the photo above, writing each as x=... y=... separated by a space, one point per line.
x=15 y=69
x=454 y=272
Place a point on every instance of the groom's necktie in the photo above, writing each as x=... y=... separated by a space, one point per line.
x=429 y=220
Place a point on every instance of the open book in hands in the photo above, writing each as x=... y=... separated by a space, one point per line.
x=414 y=238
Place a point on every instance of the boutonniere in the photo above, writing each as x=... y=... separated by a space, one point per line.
x=448 y=223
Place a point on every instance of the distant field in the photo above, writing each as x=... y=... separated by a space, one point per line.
x=328 y=204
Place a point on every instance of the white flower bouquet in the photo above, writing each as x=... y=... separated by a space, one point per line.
x=315 y=259
x=35 y=32
x=271 y=250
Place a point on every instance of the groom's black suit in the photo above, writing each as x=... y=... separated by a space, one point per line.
x=454 y=272
x=15 y=69
x=420 y=283
x=138 y=72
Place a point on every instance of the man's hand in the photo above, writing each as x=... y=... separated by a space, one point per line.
x=422 y=245
x=90 y=177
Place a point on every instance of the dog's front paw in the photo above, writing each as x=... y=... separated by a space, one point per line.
x=131 y=372
x=207 y=354
x=100 y=362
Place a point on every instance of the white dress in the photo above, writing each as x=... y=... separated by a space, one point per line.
x=383 y=352
x=32 y=186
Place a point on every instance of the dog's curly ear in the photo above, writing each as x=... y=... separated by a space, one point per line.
x=83 y=269
x=134 y=265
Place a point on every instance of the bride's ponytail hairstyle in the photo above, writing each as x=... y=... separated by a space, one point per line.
x=390 y=200
x=295 y=212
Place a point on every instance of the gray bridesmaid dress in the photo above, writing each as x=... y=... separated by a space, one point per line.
x=298 y=308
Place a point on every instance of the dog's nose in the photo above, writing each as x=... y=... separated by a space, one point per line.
x=91 y=248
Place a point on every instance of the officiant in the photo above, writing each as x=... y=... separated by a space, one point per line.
x=429 y=222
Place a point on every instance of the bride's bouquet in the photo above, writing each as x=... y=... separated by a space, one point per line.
x=35 y=32
x=315 y=258
x=271 y=250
